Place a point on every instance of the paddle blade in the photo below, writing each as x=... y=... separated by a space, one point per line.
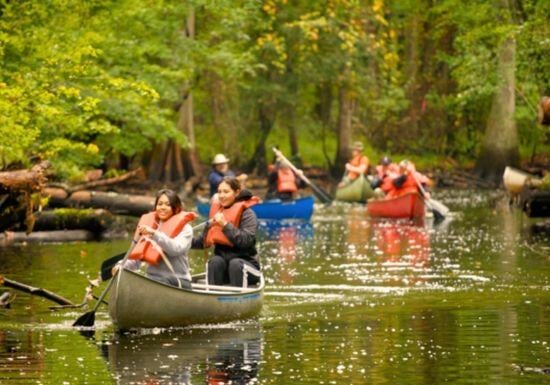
x=439 y=207
x=86 y=319
x=108 y=265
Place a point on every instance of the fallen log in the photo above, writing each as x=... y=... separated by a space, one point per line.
x=96 y=182
x=135 y=205
x=6 y=299
x=109 y=181
x=10 y=237
x=38 y=291
x=25 y=180
x=16 y=189
x=94 y=220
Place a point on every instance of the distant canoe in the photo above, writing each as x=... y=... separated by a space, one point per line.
x=137 y=301
x=301 y=208
x=358 y=190
x=516 y=180
x=410 y=205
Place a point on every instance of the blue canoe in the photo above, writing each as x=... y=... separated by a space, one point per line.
x=301 y=208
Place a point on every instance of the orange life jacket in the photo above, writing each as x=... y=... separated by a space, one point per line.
x=408 y=186
x=286 y=181
x=144 y=250
x=357 y=161
x=232 y=214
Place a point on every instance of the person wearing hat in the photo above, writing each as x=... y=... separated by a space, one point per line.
x=358 y=164
x=220 y=169
x=386 y=169
x=406 y=180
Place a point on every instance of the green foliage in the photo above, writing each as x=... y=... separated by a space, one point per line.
x=82 y=80
x=76 y=83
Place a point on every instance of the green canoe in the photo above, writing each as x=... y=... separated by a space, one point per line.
x=358 y=190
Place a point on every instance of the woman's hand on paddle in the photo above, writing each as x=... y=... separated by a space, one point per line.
x=146 y=230
x=114 y=269
x=220 y=219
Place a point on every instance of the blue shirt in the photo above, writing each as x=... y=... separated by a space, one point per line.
x=215 y=177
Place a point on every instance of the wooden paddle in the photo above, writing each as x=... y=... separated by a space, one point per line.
x=88 y=318
x=323 y=196
x=439 y=210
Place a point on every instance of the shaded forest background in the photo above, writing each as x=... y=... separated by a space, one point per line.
x=167 y=84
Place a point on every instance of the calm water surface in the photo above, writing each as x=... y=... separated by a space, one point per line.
x=348 y=300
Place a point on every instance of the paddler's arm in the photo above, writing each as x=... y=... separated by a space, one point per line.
x=176 y=246
x=245 y=235
x=198 y=241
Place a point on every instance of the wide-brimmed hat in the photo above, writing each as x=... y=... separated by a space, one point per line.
x=357 y=146
x=220 y=159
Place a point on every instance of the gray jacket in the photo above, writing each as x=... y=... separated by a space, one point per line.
x=175 y=249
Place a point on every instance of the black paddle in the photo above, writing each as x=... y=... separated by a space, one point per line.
x=323 y=196
x=88 y=319
x=108 y=264
x=439 y=209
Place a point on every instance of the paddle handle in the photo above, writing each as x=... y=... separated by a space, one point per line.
x=104 y=293
x=302 y=176
x=298 y=172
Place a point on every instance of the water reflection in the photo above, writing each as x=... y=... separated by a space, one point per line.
x=197 y=355
x=284 y=237
x=20 y=357
x=402 y=242
x=298 y=229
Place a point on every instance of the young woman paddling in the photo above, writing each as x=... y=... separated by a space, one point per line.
x=162 y=240
x=232 y=232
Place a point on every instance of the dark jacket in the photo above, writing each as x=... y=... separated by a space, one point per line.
x=242 y=237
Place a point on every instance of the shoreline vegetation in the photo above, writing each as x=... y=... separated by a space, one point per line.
x=107 y=208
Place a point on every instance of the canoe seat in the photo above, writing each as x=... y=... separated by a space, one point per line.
x=249 y=270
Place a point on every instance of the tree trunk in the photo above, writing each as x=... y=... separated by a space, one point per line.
x=500 y=147
x=413 y=63
x=323 y=111
x=346 y=104
x=169 y=163
x=116 y=203
x=258 y=163
x=222 y=118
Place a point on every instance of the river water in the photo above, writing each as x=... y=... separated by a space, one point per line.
x=349 y=300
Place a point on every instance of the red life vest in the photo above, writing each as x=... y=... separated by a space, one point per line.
x=232 y=214
x=286 y=181
x=358 y=161
x=144 y=250
x=408 y=186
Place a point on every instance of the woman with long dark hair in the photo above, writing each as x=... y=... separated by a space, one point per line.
x=232 y=233
x=162 y=240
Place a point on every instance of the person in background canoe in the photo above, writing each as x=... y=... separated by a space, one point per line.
x=162 y=241
x=358 y=164
x=405 y=182
x=386 y=169
x=282 y=182
x=220 y=169
x=232 y=232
